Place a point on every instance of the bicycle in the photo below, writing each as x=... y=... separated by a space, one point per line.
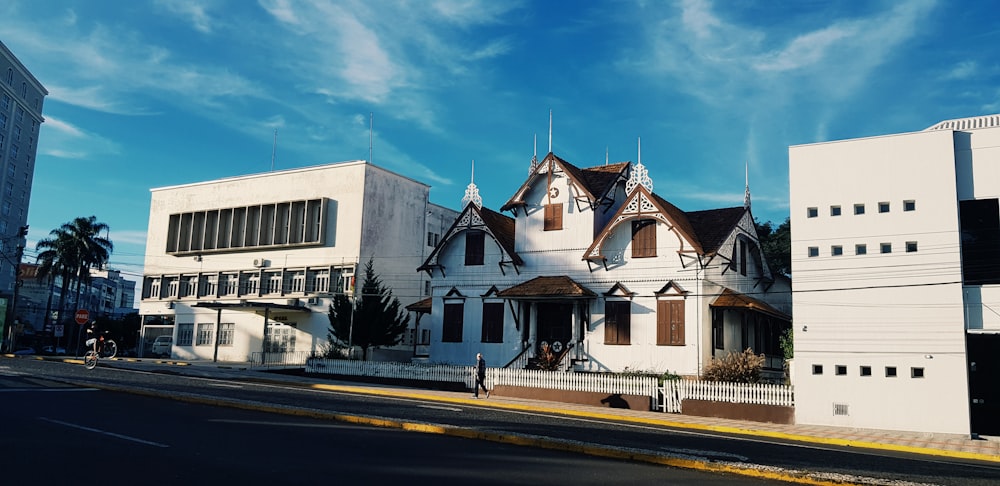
x=90 y=359
x=106 y=348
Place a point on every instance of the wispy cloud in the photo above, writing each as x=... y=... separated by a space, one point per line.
x=66 y=141
x=135 y=237
x=195 y=11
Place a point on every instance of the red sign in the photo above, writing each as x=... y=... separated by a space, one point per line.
x=82 y=316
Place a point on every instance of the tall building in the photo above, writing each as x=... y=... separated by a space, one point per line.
x=248 y=266
x=21 y=98
x=896 y=261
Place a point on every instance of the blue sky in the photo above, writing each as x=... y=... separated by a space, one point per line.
x=147 y=94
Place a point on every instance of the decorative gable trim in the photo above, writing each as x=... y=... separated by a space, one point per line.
x=641 y=204
x=454 y=294
x=619 y=290
x=671 y=289
x=491 y=293
x=471 y=218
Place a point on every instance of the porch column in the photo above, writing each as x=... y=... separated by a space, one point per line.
x=533 y=322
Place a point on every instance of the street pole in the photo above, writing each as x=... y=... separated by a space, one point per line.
x=350 y=332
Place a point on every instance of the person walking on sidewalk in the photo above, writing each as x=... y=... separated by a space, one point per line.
x=480 y=375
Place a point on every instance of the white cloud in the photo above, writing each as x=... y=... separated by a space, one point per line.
x=194 y=11
x=135 y=237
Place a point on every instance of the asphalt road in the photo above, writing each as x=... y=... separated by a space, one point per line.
x=553 y=430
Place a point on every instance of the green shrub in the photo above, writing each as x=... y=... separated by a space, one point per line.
x=742 y=367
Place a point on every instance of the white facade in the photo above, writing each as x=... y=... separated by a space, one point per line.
x=882 y=303
x=224 y=256
x=535 y=286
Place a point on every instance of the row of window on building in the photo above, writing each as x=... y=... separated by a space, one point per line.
x=24 y=86
x=859 y=208
x=862 y=249
x=245 y=283
x=865 y=370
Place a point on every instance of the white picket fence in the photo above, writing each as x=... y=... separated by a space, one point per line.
x=674 y=391
x=667 y=398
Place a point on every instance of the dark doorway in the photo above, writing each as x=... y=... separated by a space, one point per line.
x=555 y=321
x=984 y=373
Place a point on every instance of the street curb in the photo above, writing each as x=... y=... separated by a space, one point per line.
x=610 y=452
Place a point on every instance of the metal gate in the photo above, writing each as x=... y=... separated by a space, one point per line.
x=984 y=374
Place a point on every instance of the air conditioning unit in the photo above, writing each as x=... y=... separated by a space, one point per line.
x=312 y=300
x=259 y=262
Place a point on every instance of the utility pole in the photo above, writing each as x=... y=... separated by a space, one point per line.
x=22 y=232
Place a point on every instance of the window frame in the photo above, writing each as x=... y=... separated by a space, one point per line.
x=475 y=247
x=553 y=217
x=493 y=315
x=670 y=322
x=452 y=321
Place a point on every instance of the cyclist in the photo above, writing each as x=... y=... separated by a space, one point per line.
x=94 y=335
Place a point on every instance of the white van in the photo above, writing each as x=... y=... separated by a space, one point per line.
x=162 y=346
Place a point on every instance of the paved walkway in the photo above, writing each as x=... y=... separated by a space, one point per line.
x=946 y=445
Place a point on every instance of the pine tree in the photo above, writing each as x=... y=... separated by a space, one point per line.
x=375 y=319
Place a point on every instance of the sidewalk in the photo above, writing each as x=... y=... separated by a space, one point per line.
x=942 y=445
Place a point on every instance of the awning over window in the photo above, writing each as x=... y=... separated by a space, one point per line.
x=251 y=306
x=420 y=306
x=560 y=287
x=731 y=299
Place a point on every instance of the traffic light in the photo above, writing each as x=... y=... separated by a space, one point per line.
x=22 y=231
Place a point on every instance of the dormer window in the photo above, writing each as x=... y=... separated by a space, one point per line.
x=553 y=217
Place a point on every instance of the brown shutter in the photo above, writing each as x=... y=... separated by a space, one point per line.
x=644 y=238
x=553 y=217
x=670 y=322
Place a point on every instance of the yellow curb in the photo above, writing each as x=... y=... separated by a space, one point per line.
x=670 y=423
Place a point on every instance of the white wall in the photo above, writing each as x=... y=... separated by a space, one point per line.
x=899 y=309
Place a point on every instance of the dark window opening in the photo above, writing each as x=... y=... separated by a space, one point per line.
x=475 y=247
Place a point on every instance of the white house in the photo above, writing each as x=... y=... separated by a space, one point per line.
x=230 y=261
x=895 y=258
x=607 y=274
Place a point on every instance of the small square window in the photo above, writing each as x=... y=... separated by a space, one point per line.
x=834 y=210
x=909 y=205
x=911 y=246
x=817 y=369
x=859 y=209
x=813 y=251
x=866 y=371
x=861 y=249
x=916 y=372
x=886 y=247
x=812 y=212
x=836 y=250
x=841 y=370
x=883 y=207
x=890 y=371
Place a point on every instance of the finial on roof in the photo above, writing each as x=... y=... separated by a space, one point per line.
x=746 y=196
x=605 y=155
x=534 y=157
x=472 y=192
x=639 y=175
x=550 y=130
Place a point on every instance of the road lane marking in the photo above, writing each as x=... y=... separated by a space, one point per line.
x=105 y=432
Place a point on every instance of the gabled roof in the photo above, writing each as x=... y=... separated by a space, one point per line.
x=713 y=226
x=735 y=300
x=559 y=286
x=499 y=226
x=593 y=182
x=704 y=230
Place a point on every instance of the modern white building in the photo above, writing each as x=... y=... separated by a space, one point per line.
x=608 y=275
x=896 y=264
x=233 y=260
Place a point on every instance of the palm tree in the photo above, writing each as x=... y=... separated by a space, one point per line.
x=71 y=251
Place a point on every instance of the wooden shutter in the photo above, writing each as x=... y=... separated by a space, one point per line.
x=451 y=331
x=475 y=247
x=493 y=322
x=553 y=216
x=617 y=322
x=670 y=322
x=644 y=238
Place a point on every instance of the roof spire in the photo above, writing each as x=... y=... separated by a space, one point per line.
x=534 y=157
x=639 y=176
x=471 y=191
x=746 y=196
x=550 y=130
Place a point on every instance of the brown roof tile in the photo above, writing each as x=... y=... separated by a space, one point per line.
x=560 y=286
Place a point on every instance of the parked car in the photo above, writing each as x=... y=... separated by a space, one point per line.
x=162 y=346
x=54 y=350
x=24 y=351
